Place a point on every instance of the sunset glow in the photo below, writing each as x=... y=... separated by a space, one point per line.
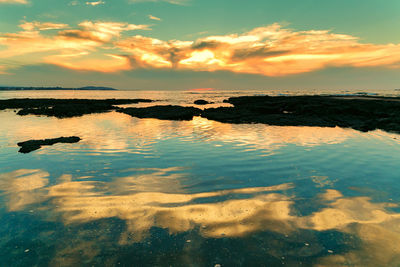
x=125 y=44
x=269 y=51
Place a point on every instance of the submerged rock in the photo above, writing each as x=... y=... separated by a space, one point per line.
x=65 y=108
x=202 y=102
x=31 y=145
x=364 y=113
x=163 y=112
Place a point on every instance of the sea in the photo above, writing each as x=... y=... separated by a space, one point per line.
x=149 y=192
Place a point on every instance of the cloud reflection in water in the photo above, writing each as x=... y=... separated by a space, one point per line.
x=232 y=213
x=114 y=132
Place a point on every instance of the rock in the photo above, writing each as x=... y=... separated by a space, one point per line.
x=360 y=112
x=202 y=102
x=163 y=112
x=65 y=108
x=363 y=113
x=31 y=145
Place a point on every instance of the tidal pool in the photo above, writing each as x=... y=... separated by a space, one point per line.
x=147 y=192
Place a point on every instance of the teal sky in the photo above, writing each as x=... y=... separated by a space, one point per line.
x=341 y=44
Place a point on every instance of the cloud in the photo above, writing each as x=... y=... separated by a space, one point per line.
x=154 y=18
x=13 y=2
x=85 y=62
x=95 y=3
x=269 y=51
x=42 y=26
x=101 y=31
x=174 y=2
x=70 y=48
x=109 y=29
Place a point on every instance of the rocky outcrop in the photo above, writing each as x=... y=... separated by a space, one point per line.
x=362 y=113
x=65 y=108
x=202 y=102
x=358 y=112
x=163 y=112
x=32 y=145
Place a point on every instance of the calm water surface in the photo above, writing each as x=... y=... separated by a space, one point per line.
x=147 y=192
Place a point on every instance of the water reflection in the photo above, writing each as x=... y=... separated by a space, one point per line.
x=87 y=204
x=156 y=198
x=22 y=187
x=115 y=132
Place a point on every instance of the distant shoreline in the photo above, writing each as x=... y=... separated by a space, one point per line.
x=86 y=88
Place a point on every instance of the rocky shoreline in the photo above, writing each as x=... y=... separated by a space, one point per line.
x=65 y=108
x=363 y=113
x=358 y=112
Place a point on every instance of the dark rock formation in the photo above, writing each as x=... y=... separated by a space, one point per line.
x=31 y=145
x=64 y=108
x=362 y=113
x=163 y=112
x=202 y=102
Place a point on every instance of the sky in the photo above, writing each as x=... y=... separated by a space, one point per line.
x=189 y=44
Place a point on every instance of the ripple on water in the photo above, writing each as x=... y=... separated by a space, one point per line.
x=154 y=192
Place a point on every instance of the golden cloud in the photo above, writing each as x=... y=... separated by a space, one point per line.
x=271 y=50
x=41 y=26
x=154 y=17
x=95 y=3
x=14 y=1
x=70 y=48
x=104 y=63
x=175 y=2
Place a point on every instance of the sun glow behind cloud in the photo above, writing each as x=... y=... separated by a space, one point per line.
x=270 y=51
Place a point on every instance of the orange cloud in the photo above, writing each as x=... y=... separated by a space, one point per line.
x=41 y=26
x=13 y=1
x=154 y=17
x=102 y=31
x=106 y=63
x=72 y=48
x=175 y=2
x=270 y=50
x=28 y=42
x=95 y=3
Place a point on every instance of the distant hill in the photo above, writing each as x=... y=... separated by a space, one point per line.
x=88 y=88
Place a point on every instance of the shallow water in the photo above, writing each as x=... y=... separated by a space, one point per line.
x=147 y=192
